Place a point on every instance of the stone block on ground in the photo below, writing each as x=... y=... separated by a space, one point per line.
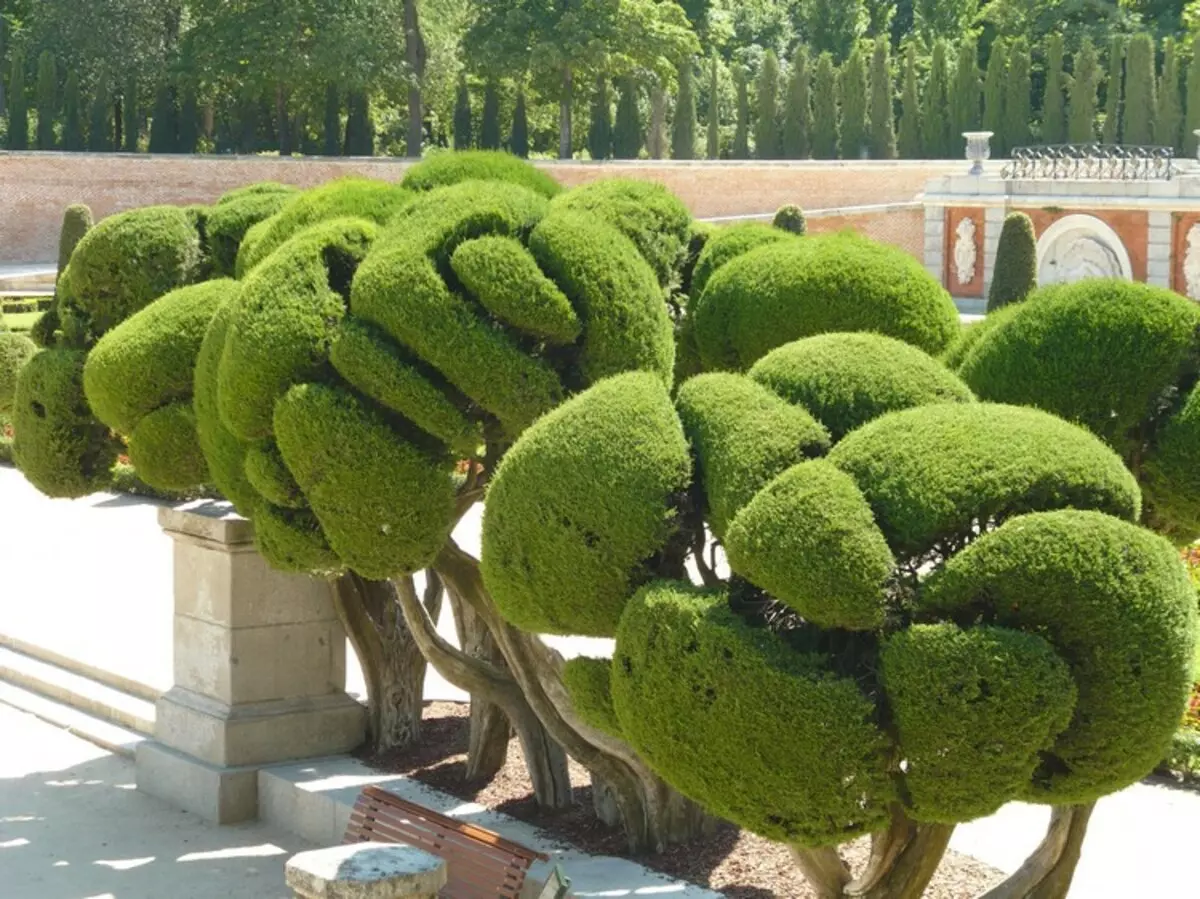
x=366 y=871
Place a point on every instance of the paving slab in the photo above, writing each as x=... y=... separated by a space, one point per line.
x=72 y=826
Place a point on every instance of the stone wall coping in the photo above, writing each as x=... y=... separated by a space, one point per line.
x=829 y=212
x=1066 y=201
x=210 y=520
x=366 y=871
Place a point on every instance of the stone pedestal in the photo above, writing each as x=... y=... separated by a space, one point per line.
x=260 y=671
x=366 y=871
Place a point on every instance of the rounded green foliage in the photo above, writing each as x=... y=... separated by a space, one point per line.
x=1016 y=263
x=790 y=218
x=1170 y=474
x=127 y=262
x=15 y=351
x=846 y=380
x=742 y=436
x=1103 y=353
x=284 y=319
x=164 y=449
x=730 y=716
x=236 y=213
x=58 y=444
x=359 y=198
x=1116 y=604
x=580 y=507
x=970 y=334
x=292 y=540
x=809 y=539
x=269 y=475
x=656 y=220
x=386 y=507
x=77 y=221
x=935 y=473
x=443 y=169
x=148 y=360
x=589 y=683
x=699 y=234
x=727 y=244
x=973 y=709
x=775 y=294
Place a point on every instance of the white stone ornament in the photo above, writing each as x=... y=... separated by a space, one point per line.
x=965 y=255
x=1191 y=262
x=1078 y=247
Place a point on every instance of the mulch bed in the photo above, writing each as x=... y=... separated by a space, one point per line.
x=733 y=862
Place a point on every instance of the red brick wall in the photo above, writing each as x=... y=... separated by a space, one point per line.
x=36 y=187
x=903 y=227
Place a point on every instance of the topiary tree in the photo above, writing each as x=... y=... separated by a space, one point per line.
x=883 y=125
x=1017 y=97
x=332 y=130
x=77 y=222
x=47 y=100
x=15 y=351
x=235 y=214
x=1110 y=133
x=766 y=122
x=100 y=120
x=1192 y=120
x=1054 y=120
x=600 y=131
x=796 y=288
x=993 y=92
x=131 y=118
x=72 y=115
x=627 y=133
x=935 y=116
x=791 y=219
x=1015 y=274
x=1140 y=94
x=518 y=140
x=959 y=588
x=463 y=136
x=713 y=125
x=825 y=109
x=1081 y=122
x=18 y=108
x=489 y=126
x=1168 y=118
x=909 y=141
x=727 y=244
x=797 y=113
x=965 y=91
x=741 y=133
x=683 y=128
x=852 y=95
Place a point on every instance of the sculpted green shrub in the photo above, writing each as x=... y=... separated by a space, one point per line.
x=77 y=222
x=775 y=294
x=444 y=169
x=727 y=244
x=1016 y=263
x=227 y=222
x=790 y=218
x=15 y=351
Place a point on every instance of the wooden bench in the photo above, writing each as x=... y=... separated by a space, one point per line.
x=480 y=864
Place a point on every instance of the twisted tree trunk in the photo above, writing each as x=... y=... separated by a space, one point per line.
x=1048 y=871
x=490 y=728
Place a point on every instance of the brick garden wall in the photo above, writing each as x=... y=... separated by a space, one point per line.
x=36 y=187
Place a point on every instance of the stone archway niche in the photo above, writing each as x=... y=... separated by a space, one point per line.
x=1081 y=246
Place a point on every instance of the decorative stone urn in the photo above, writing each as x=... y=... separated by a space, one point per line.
x=979 y=149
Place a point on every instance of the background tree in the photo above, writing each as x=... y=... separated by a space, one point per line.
x=47 y=100
x=713 y=126
x=360 y=129
x=935 y=116
x=1111 y=131
x=883 y=126
x=852 y=95
x=825 y=109
x=1193 y=99
x=489 y=129
x=464 y=138
x=683 y=133
x=933 y=19
x=1140 y=93
x=1015 y=275
x=766 y=124
x=965 y=93
x=131 y=119
x=189 y=118
x=164 y=126
x=656 y=134
x=416 y=59
x=741 y=134
x=518 y=141
x=797 y=115
x=832 y=26
x=18 y=110
x=1017 y=96
x=332 y=129
x=1168 y=119
x=600 y=131
x=100 y=121
x=72 y=115
x=910 y=108
x=1081 y=127
x=1054 y=123
x=993 y=95
x=627 y=135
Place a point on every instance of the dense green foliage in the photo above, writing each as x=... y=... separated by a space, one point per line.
x=852 y=97
x=796 y=137
x=444 y=169
x=77 y=222
x=1140 y=94
x=728 y=243
x=1081 y=121
x=1054 y=120
x=236 y=213
x=790 y=218
x=883 y=126
x=589 y=681
x=767 y=144
x=15 y=351
x=1015 y=276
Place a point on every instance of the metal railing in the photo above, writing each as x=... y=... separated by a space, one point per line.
x=1094 y=162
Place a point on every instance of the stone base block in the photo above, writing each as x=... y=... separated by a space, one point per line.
x=220 y=795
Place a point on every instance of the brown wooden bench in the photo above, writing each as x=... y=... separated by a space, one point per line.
x=480 y=864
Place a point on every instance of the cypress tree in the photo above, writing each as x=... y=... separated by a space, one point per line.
x=883 y=126
x=518 y=140
x=463 y=138
x=993 y=94
x=1111 y=132
x=18 y=111
x=714 y=110
x=1081 y=124
x=852 y=92
x=600 y=131
x=935 y=123
x=164 y=127
x=100 y=127
x=189 y=119
x=1054 y=120
x=72 y=117
x=965 y=96
x=1193 y=99
x=360 y=129
x=47 y=100
x=489 y=129
x=825 y=111
x=797 y=116
x=333 y=120
x=1016 y=263
x=1017 y=99
x=683 y=129
x=627 y=135
x=1140 y=102
x=910 y=112
x=766 y=126
x=130 y=117
x=741 y=134
x=1168 y=121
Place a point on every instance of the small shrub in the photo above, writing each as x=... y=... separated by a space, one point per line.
x=589 y=681
x=444 y=169
x=790 y=219
x=1015 y=275
x=15 y=351
x=77 y=222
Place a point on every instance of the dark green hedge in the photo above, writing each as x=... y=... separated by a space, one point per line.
x=589 y=682
x=846 y=380
x=236 y=213
x=165 y=451
x=443 y=169
x=269 y=475
x=1116 y=604
x=292 y=540
x=15 y=351
x=730 y=716
x=934 y=473
x=578 y=507
x=796 y=288
x=1016 y=274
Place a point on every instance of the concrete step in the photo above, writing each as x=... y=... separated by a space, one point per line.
x=91 y=672
x=107 y=736
x=78 y=692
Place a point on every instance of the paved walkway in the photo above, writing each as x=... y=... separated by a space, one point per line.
x=72 y=826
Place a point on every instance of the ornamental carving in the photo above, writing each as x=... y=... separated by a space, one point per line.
x=965 y=254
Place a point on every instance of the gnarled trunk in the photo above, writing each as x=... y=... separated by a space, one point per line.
x=1048 y=871
x=490 y=728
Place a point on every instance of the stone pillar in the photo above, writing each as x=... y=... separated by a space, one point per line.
x=260 y=671
x=935 y=242
x=366 y=871
x=1158 y=250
